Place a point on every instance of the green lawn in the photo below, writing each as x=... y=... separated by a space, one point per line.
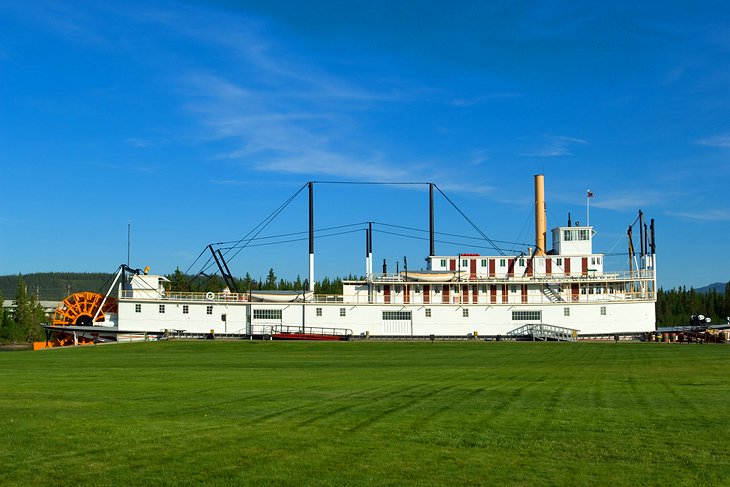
x=373 y=413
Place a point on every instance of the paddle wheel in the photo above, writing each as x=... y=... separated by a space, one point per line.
x=81 y=309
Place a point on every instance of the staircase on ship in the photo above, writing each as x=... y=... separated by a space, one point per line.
x=543 y=332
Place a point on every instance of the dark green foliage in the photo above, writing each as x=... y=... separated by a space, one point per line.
x=23 y=324
x=674 y=307
x=58 y=285
x=179 y=282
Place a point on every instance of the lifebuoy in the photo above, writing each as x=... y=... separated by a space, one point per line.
x=209 y=296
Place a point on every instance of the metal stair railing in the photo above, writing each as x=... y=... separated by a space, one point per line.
x=552 y=294
x=544 y=332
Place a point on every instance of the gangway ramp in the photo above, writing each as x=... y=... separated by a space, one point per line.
x=544 y=332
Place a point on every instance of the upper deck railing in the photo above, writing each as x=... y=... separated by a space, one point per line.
x=553 y=277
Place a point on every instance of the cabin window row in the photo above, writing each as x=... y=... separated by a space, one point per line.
x=267 y=314
x=162 y=308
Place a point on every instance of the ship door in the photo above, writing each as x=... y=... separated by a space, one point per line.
x=397 y=323
x=584 y=266
x=473 y=269
x=575 y=291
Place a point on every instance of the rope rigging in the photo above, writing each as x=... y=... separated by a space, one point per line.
x=230 y=249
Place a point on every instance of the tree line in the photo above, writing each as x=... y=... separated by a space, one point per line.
x=674 y=307
x=22 y=325
x=180 y=282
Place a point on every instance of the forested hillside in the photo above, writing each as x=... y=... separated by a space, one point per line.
x=51 y=286
x=675 y=306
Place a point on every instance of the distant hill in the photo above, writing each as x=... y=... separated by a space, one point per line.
x=55 y=286
x=718 y=287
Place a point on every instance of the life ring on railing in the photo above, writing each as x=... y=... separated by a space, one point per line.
x=209 y=296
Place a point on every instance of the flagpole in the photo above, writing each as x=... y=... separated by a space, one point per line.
x=588 y=208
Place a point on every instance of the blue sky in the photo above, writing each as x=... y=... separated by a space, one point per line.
x=195 y=120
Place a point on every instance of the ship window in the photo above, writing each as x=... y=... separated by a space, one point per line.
x=209 y=309
x=162 y=308
x=137 y=308
x=267 y=314
x=318 y=311
x=185 y=309
x=465 y=313
x=513 y=289
x=502 y=262
x=559 y=261
x=566 y=311
x=567 y=235
x=583 y=235
x=396 y=315
x=484 y=262
x=522 y=262
x=603 y=311
x=526 y=315
x=443 y=263
x=598 y=261
x=483 y=288
x=593 y=261
x=428 y=312
x=343 y=312
x=464 y=263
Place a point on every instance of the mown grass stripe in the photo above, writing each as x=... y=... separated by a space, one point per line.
x=364 y=413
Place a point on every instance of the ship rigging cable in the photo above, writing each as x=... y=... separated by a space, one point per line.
x=252 y=235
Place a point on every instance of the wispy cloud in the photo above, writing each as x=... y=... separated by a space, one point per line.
x=554 y=146
x=465 y=102
x=716 y=215
x=722 y=140
x=629 y=201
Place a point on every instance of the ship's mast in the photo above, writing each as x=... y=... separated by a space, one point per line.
x=311 y=236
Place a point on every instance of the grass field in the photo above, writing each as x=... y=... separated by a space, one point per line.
x=357 y=413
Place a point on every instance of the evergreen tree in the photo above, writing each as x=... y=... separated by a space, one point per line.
x=32 y=330
x=179 y=282
x=270 y=280
x=248 y=283
x=3 y=316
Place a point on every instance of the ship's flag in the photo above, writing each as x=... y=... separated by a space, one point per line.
x=590 y=194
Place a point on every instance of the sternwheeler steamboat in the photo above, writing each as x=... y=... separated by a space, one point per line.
x=565 y=289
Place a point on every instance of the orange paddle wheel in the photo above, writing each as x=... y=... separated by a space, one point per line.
x=79 y=310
